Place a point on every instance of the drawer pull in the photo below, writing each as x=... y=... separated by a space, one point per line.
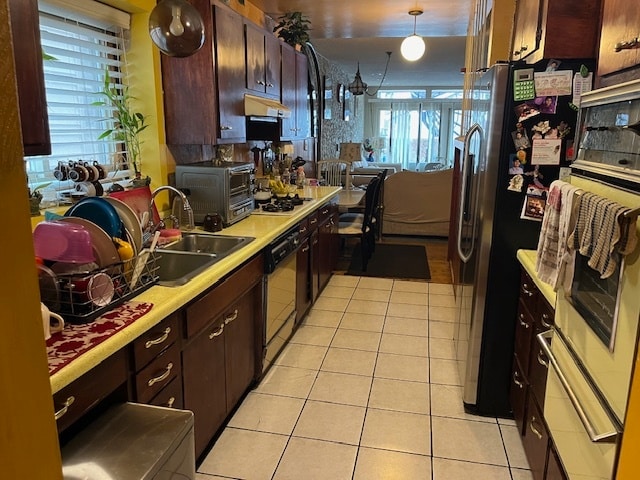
x=541 y=359
x=170 y=402
x=226 y=127
x=217 y=333
x=544 y=323
x=516 y=381
x=167 y=372
x=522 y=322
x=65 y=407
x=305 y=249
x=534 y=429
x=230 y=318
x=159 y=340
x=303 y=230
x=324 y=212
x=633 y=43
x=526 y=291
x=313 y=221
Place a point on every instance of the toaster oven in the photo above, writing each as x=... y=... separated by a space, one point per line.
x=224 y=189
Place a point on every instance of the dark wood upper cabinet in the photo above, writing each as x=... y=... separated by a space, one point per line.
x=25 y=29
x=619 y=40
x=294 y=94
x=567 y=29
x=262 y=61
x=189 y=84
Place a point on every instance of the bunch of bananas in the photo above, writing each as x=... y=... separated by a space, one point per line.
x=278 y=187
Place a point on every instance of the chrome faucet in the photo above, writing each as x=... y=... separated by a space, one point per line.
x=186 y=207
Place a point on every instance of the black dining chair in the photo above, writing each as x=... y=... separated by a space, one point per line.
x=363 y=226
x=356 y=214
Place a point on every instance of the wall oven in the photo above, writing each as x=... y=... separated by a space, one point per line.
x=226 y=189
x=592 y=347
x=280 y=267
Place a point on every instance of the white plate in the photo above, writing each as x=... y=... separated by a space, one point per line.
x=130 y=221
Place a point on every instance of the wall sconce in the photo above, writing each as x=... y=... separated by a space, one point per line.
x=358 y=87
x=413 y=47
x=176 y=28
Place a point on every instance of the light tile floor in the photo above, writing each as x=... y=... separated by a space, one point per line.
x=367 y=389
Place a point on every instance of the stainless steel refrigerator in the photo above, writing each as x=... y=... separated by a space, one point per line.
x=490 y=229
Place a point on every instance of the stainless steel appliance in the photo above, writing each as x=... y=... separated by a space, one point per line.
x=491 y=227
x=133 y=442
x=280 y=266
x=223 y=189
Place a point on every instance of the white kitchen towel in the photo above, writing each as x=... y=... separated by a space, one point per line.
x=603 y=233
x=557 y=223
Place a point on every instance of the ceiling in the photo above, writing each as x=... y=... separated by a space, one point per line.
x=351 y=31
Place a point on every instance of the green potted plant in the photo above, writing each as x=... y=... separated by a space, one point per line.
x=293 y=28
x=128 y=123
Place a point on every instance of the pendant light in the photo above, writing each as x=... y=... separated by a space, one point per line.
x=413 y=47
x=176 y=27
x=358 y=87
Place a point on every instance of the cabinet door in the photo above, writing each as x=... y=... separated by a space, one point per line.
x=314 y=241
x=255 y=67
x=240 y=354
x=527 y=25
x=326 y=250
x=303 y=280
x=272 y=78
x=620 y=24
x=518 y=395
x=189 y=85
x=204 y=383
x=288 y=90
x=303 y=113
x=535 y=440
x=30 y=76
x=229 y=49
x=523 y=336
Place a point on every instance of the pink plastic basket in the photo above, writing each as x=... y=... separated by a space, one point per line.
x=63 y=242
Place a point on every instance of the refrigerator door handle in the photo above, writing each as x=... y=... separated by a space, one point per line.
x=466 y=177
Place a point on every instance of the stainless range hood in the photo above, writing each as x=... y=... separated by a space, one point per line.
x=264 y=107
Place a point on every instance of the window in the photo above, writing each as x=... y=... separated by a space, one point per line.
x=83 y=42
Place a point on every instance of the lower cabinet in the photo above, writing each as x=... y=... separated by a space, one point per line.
x=328 y=243
x=219 y=361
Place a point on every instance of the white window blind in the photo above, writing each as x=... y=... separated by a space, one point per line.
x=82 y=47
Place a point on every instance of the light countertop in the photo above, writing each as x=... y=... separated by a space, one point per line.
x=527 y=259
x=166 y=300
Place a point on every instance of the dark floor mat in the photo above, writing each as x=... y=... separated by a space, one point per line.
x=392 y=261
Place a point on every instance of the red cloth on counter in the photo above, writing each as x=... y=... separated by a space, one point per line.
x=74 y=340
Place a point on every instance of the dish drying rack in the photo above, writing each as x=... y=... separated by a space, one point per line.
x=78 y=310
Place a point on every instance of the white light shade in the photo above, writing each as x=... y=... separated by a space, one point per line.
x=412 y=47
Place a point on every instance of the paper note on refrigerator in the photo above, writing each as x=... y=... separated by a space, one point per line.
x=581 y=85
x=546 y=151
x=553 y=84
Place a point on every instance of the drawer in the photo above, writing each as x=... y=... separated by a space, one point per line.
x=155 y=376
x=535 y=440
x=170 y=396
x=545 y=315
x=538 y=370
x=324 y=212
x=529 y=292
x=518 y=394
x=148 y=345
x=523 y=336
x=313 y=221
x=213 y=303
x=80 y=396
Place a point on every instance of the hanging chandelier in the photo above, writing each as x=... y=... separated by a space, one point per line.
x=358 y=87
x=413 y=47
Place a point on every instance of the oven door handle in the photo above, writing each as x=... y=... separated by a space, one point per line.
x=544 y=339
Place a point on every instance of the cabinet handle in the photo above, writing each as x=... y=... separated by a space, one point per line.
x=534 y=429
x=313 y=221
x=543 y=323
x=522 y=322
x=305 y=249
x=226 y=127
x=170 y=402
x=230 y=318
x=541 y=360
x=65 y=407
x=154 y=380
x=526 y=291
x=516 y=381
x=159 y=340
x=633 y=43
x=324 y=212
x=315 y=241
x=517 y=52
x=524 y=48
x=270 y=85
x=259 y=82
x=303 y=230
x=217 y=333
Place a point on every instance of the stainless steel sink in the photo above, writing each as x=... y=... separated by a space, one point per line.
x=183 y=259
x=219 y=245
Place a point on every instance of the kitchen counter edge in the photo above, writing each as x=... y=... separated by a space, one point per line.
x=166 y=300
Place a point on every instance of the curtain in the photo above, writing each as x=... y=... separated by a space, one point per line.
x=401 y=145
